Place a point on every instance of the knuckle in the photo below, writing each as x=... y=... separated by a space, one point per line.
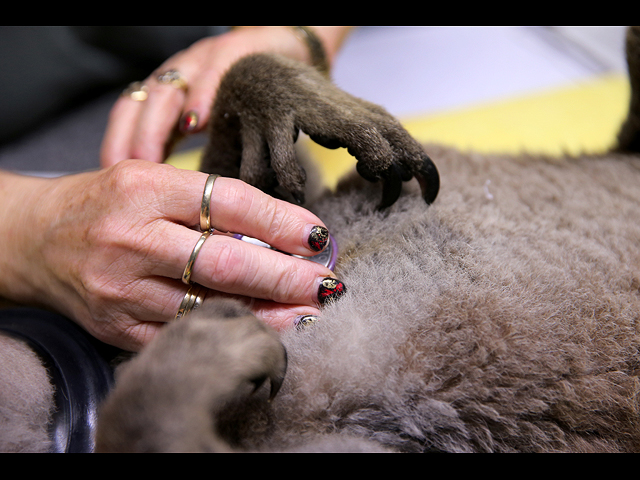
x=127 y=175
x=138 y=182
x=236 y=198
x=291 y=279
x=101 y=293
x=257 y=208
x=286 y=284
x=275 y=214
x=226 y=264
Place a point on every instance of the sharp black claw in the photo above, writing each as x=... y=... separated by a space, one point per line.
x=277 y=381
x=429 y=180
x=391 y=189
x=257 y=383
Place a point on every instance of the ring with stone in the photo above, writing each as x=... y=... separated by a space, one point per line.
x=174 y=78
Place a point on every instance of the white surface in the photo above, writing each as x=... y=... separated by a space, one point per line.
x=422 y=70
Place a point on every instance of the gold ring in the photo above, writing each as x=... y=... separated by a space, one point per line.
x=137 y=91
x=174 y=78
x=188 y=269
x=205 y=207
x=192 y=300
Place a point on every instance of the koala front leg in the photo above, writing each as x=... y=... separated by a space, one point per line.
x=629 y=136
x=269 y=99
x=167 y=398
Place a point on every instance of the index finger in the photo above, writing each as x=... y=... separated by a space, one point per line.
x=241 y=208
x=120 y=129
x=237 y=207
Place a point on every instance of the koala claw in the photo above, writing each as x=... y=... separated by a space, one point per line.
x=167 y=398
x=276 y=379
x=391 y=188
x=429 y=180
x=393 y=176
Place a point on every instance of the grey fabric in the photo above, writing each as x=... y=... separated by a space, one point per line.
x=60 y=82
x=67 y=143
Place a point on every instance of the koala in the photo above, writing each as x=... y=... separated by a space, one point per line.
x=493 y=302
x=502 y=317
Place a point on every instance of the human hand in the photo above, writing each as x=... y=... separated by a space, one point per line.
x=148 y=129
x=265 y=100
x=112 y=246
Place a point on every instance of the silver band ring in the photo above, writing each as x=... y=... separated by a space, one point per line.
x=137 y=91
x=174 y=78
x=188 y=269
x=205 y=207
x=192 y=300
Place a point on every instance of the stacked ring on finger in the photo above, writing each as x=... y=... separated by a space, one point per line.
x=196 y=293
x=192 y=300
x=174 y=78
x=188 y=269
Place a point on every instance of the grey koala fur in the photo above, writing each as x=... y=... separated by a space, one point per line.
x=26 y=398
x=504 y=317
x=491 y=325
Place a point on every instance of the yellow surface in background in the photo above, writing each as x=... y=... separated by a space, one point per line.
x=579 y=119
x=189 y=160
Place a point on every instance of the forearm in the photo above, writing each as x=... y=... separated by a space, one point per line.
x=20 y=228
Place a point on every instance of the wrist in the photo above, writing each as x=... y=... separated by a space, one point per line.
x=20 y=230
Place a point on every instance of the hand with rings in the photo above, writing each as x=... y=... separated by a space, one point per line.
x=176 y=99
x=129 y=248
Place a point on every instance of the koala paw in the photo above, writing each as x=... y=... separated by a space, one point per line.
x=265 y=100
x=167 y=398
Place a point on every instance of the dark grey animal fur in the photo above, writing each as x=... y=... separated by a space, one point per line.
x=504 y=317
x=264 y=101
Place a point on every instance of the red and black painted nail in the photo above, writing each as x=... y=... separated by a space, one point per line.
x=318 y=238
x=330 y=289
x=188 y=122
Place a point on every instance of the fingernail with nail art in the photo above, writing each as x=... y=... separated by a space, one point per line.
x=318 y=238
x=189 y=121
x=330 y=289
x=303 y=321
